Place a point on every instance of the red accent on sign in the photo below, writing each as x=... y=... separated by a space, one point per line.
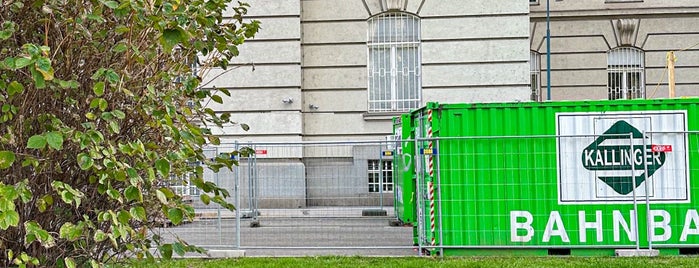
x=260 y=151
x=661 y=148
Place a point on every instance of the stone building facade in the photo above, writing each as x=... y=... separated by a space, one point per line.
x=610 y=49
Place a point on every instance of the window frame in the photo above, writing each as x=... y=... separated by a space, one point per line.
x=379 y=176
x=391 y=93
x=535 y=75
x=620 y=73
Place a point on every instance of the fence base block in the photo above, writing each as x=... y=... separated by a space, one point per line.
x=374 y=212
x=636 y=253
x=218 y=254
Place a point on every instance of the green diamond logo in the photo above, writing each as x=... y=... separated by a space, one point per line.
x=621 y=158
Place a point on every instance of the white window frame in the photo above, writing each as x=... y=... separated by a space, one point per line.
x=535 y=75
x=626 y=73
x=380 y=175
x=386 y=34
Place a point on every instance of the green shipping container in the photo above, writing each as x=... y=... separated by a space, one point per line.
x=578 y=178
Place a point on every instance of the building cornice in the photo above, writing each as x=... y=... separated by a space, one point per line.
x=639 y=13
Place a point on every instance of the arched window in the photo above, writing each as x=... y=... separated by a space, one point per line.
x=535 y=75
x=625 y=73
x=394 y=62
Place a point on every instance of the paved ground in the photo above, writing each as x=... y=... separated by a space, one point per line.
x=286 y=234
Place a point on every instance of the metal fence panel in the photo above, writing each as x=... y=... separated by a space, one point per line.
x=600 y=192
x=304 y=199
x=629 y=190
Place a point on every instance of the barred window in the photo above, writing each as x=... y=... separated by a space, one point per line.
x=394 y=63
x=535 y=75
x=380 y=173
x=625 y=73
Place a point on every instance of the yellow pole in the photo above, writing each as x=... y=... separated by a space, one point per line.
x=671 y=73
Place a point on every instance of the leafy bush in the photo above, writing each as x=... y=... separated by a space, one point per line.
x=100 y=107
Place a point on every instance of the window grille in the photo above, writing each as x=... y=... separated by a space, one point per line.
x=625 y=73
x=380 y=173
x=535 y=75
x=394 y=63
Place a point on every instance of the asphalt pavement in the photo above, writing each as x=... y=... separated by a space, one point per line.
x=299 y=233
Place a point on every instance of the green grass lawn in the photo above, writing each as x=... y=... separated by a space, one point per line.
x=402 y=262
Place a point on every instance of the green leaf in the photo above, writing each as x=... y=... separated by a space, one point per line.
x=217 y=99
x=161 y=196
x=163 y=167
x=178 y=248
x=112 y=76
x=14 y=87
x=110 y=4
x=168 y=193
x=32 y=49
x=85 y=161
x=36 y=142
x=215 y=140
x=43 y=65
x=132 y=193
x=44 y=202
x=102 y=104
x=8 y=28
x=114 y=127
x=175 y=215
x=9 y=63
x=70 y=263
x=68 y=84
x=8 y=218
x=35 y=232
x=124 y=216
x=38 y=77
x=98 y=89
x=70 y=231
x=119 y=114
x=205 y=198
x=7 y=158
x=245 y=127
x=100 y=236
x=121 y=47
x=138 y=213
x=121 y=29
x=55 y=140
x=22 y=62
x=114 y=194
x=166 y=251
x=169 y=39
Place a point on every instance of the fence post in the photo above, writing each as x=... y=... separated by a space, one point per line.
x=237 y=199
x=635 y=202
x=380 y=177
x=645 y=169
x=418 y=193
x=438 y=191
